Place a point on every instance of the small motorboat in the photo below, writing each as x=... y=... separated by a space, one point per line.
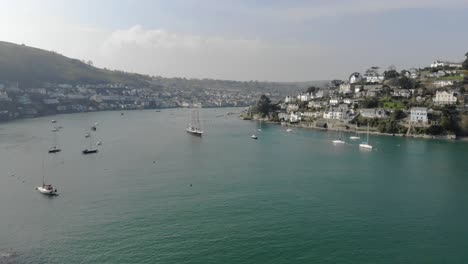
x=89 y=151
x=93 y=128
x=99 y=143
x=288 y=130
x=54 y=149
x=55 y=129
x=365 y=145
x=254 y=136
x=47 y=189
x=87 y=135
x=54 y=121
x=260 y=130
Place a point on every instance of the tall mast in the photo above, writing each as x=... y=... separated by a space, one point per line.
x=43 y=172
x=367 y=132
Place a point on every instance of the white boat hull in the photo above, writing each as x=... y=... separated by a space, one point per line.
x=338 y=141
x=46 y=191
x=195 y=132
x=354 y=138
x=365 y=146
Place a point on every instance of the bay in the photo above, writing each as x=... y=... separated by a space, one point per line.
x=155 y=194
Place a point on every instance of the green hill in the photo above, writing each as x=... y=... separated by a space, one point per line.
x=31 y=66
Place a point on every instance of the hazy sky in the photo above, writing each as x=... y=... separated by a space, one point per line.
x=291 y=40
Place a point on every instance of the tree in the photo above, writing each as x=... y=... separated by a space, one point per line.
x=406 y=83
x=264 y=105
x=90 y=63
x=465 y=63
x=450 y=119
x=336 y=83
x=397 y=114
x=312 y=89
x=369 y=103
x=390 y=74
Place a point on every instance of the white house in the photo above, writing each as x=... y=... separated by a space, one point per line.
x=374 y=79
x=333 y=114
x=419 y=115
x=373 y=113
x=445 y=98
x=305 y=97
x=355 y=77
x=312 y=114
x=442 y=83
x=438 y=63
x=401 y=93
x=289 y=99
x=334 y=101
x=349 y=101
x=292 y=108
x=316 y=104
x=295 y=117
x=345 y=88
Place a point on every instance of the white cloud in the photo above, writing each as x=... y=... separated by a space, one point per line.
x=171 y=54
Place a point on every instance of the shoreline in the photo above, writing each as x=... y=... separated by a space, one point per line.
x=107 y=110
x=311 y=126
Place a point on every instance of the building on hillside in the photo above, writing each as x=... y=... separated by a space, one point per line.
x=334 y=101
x=373 y=113
x=345 y=88
x=292 y=108
x=321 y=93
x=442 y=83
x=305 y=97
x=374 y=79
x=333 y=114
x=445 y=98
x=289 y=99
x=316 y=104
x=4 y=96
x=355 y=78
x=439 y=63
x=402 y=93
x=283 y=117
x=295 y=117
x=350 y=101
x=312 y=114
x=419 y=115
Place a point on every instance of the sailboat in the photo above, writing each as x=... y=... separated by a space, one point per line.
x=355 y=136
x=366 y=145
x=339 y=140
x=89 y=150
x=55 y=148
x=194 y=126
x=46 y=189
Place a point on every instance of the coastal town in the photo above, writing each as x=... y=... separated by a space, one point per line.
x=429 y=102
x=49 y=98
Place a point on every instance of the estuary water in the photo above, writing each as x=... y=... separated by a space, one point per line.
x=155 y=194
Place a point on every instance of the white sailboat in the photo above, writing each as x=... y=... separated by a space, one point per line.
x=194 y=125
x=89 y=150
x=46 y=189
x=55 y=148
x=339 y=140
x=366 y=145
x=254 y=136
x=355 y=136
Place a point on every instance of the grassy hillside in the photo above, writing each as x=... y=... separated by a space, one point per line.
x=31 y=66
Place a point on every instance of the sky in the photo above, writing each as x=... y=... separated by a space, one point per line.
x=290 y=40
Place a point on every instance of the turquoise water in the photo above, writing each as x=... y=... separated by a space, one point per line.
x=155 y=194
